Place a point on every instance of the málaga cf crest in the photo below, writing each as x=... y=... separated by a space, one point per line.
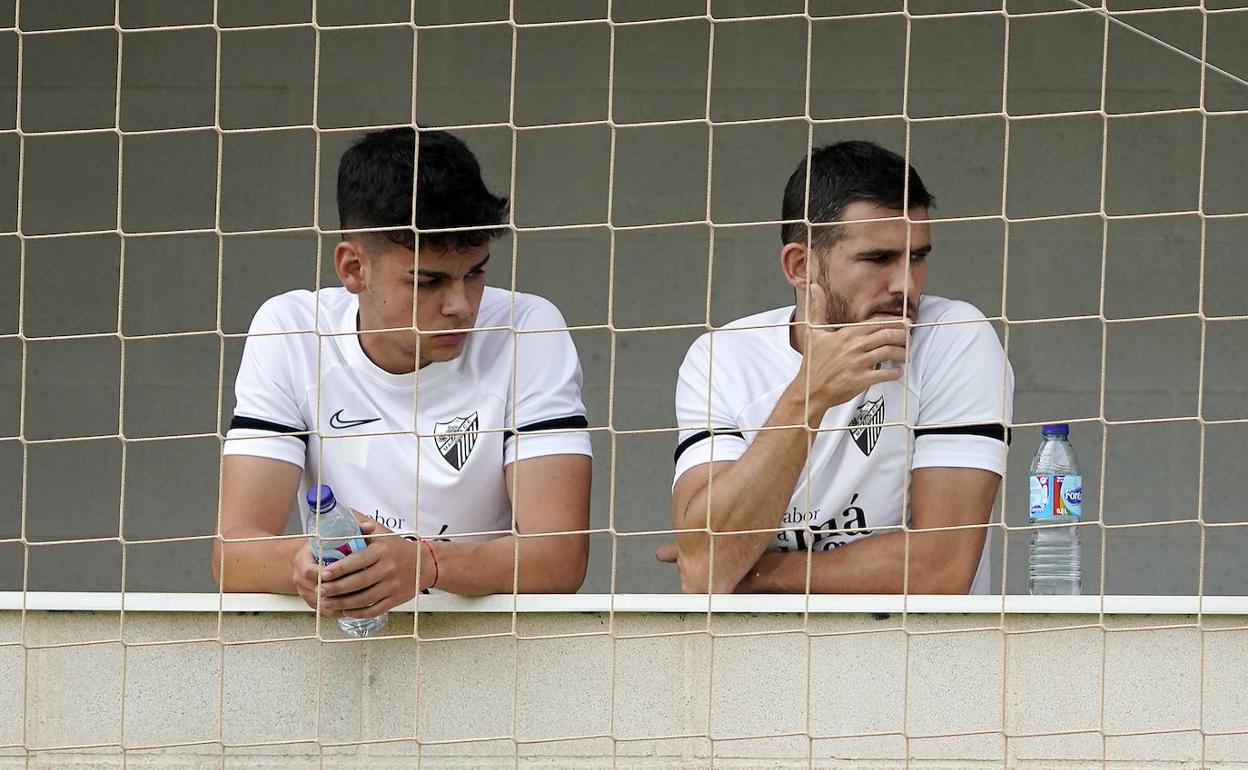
x=456 y=438
x=867 y=423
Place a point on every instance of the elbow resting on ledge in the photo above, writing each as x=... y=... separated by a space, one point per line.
x=695 y=577
x=216 y=563
x=943 y=564
x=565 y=580
x=948 y=577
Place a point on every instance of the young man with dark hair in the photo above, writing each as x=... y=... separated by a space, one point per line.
x=860 y=432
x=436 y=407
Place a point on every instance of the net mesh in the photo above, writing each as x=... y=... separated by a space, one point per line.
x=112 y=163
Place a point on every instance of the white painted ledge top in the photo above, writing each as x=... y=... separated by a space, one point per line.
x=606 y=603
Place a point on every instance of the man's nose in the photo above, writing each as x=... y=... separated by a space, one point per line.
x=902 y=281
x=455 y=300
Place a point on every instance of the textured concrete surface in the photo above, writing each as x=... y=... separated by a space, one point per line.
x=642 y=690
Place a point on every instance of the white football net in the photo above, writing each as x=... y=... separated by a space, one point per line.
x=173 y=166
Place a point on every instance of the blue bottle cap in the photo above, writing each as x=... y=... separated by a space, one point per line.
x=321 y=499
x=1056 y=429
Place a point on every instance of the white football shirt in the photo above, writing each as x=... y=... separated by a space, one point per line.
x=956 y=396
x=422 y=452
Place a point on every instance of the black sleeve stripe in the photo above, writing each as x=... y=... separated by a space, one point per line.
x=559 y=423
x=699 y=436
x=251 y=423
x=988 y=430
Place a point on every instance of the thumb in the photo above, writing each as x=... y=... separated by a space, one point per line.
x=817 y=305
x=368 y=525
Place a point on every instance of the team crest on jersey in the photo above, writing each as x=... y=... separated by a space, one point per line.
x=455 y=439
x=867 y=424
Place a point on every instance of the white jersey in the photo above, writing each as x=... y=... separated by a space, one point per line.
x=423 y=452
x=956 y=396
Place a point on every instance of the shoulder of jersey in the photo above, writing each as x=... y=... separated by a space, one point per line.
x=297 y=310
x=933 y=309
x=748 y=332
x=773 y=317
x=532 y=311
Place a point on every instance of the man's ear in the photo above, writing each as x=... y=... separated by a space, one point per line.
x=795 y=262
x=349 y=264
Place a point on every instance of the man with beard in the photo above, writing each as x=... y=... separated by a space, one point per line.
x=446 y=413
x=855 y=441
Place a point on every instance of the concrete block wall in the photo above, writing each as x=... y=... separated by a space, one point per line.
x=630 y=690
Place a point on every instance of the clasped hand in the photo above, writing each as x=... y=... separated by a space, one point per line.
x=366 y=583
x=841 y=363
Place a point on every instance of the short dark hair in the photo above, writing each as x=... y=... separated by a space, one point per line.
x=375 y=189
x=843 y=173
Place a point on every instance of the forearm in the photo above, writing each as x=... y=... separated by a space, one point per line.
x=552 y=563
x=250 y=554
x=941 y=562
x=751 y=494
x=255 y=566
x=951 y=508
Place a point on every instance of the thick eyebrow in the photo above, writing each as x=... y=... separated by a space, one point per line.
x=439 y=275
x=922 y=251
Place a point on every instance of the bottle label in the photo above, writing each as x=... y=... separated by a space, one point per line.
x=1055 y=495
x=331 y=555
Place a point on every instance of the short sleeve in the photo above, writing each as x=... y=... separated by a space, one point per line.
x=966 y=398
x=267 y=420
x=707 y=423
x=545 y=415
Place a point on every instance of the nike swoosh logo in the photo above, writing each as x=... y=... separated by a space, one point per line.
x=336 y=421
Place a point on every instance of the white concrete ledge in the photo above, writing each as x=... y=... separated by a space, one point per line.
x=191 y=682
x=650 y=603
x=562 y=687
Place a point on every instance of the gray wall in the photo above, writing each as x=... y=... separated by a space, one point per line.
x=191 y=282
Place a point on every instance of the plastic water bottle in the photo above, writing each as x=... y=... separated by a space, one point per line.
x=1055 y=563
x=333 y=535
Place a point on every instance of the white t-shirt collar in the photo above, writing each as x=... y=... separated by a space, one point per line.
x=348 y=321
